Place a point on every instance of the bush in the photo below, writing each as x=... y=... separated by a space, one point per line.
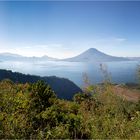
x=32 y=111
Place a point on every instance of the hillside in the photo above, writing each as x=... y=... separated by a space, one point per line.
x=127 y=93
x=64 y=88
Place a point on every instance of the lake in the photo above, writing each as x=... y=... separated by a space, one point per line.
x=121 y=72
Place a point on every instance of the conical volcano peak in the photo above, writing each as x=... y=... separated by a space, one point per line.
x=94 y=55
x=92 y=51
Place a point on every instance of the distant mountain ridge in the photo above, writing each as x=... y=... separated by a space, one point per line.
x=94 y=55
x=15 y=57
x=90 y=55
x=64 y=88
x=134 y=58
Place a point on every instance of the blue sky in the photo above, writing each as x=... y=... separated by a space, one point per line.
x=65 y=29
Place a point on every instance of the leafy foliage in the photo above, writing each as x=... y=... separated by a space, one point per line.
x=57 y=84
x=33 y=111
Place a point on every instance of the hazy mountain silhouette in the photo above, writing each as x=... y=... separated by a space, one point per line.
x=134 y=58
x=91 y=55
x=16 y=57
x=94 y=55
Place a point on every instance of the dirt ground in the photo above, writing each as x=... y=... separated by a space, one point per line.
x=126 y=93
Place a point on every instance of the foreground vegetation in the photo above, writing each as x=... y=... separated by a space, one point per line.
x=33 y=111
x=56 y=83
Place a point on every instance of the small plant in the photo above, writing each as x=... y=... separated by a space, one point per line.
x=106 y=74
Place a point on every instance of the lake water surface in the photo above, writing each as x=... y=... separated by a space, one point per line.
x=121 y=72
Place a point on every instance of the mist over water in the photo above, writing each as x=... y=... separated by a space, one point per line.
x=121 y=72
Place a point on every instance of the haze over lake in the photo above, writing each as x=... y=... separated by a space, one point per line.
x=121 y=72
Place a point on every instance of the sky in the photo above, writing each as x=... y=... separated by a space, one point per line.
x=65 y=29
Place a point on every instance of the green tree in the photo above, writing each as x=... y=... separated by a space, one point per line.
x=41 y=96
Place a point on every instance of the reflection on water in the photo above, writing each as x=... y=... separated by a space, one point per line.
x=120 y=71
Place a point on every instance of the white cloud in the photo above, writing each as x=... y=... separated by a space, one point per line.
x=120 y=39
x=111 y=40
